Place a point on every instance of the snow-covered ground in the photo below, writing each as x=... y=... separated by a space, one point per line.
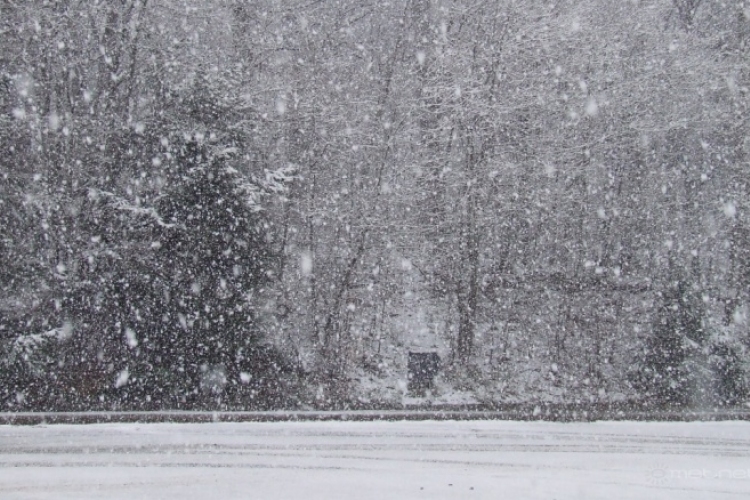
x=377 y=460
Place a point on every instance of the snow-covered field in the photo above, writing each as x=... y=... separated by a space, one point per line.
x=377 y=460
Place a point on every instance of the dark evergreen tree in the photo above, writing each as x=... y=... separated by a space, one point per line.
x=727 y=365
x=678 y=331
x=689 y=361
x=212 y=259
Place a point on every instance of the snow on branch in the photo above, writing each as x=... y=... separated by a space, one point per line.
x=26 y=345
x=277 y=181
x=274 y=182
x=121 y=204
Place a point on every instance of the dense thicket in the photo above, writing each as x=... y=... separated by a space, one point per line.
x=209 y=203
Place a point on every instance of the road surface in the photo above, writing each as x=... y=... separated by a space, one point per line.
x=377 y=460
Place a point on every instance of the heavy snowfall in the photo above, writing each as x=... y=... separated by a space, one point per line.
x=235 y=205
x=257 y=213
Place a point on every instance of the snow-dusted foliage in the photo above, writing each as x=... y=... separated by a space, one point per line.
x=272 y=203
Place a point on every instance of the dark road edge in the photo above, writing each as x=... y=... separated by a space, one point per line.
x=95 y=417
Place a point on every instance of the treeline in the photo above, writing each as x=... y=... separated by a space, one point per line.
x=236 y=204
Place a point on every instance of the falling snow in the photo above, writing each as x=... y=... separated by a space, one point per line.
x=227 y=206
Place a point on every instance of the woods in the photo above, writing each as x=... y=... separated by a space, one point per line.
x=235 y=204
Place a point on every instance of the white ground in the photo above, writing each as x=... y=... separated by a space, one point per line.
x=377 y=460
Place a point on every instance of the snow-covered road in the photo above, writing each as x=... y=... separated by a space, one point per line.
x=377 y=460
